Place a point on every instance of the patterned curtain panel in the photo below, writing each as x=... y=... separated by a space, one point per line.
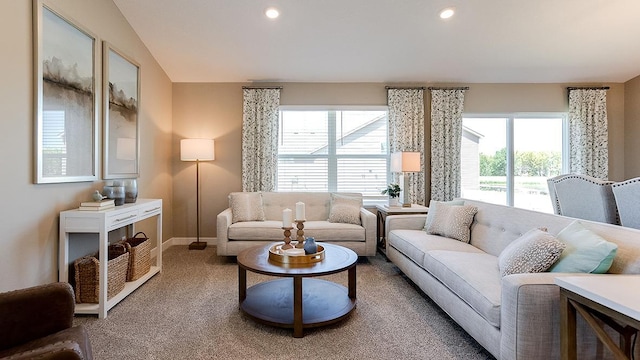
x=588 y=134
x=446 y=133
x=406 y=133
x=260 y=139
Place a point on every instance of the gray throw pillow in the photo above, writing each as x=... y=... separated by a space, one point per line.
x=345 y=209
x=452 y=221
x=533 y=252
x=246 y=206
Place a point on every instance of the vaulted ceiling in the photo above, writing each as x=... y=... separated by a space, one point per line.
x=486 y=41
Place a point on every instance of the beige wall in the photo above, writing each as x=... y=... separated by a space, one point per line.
x=29 y=221
x=215 y=110
x=632 y=128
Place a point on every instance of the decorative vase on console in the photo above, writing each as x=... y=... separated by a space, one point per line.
x=130 y=190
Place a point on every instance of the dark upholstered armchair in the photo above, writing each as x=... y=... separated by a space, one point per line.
x=37 y=322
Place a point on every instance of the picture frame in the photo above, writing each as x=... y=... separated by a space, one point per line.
x=66 y=98
x=121 y=89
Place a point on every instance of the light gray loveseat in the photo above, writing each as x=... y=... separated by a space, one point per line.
x=233 y=237
x=513 y=317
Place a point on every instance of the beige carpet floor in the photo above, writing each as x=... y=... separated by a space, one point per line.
x=190 y=311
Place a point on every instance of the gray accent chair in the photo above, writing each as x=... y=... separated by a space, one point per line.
x=627 y=196
x=583 y=197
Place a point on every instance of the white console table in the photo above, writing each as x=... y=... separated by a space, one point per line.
x=100 y=223
x=599 y=297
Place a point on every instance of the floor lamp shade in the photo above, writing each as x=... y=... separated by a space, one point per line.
x=197 y=150
x=404 y=162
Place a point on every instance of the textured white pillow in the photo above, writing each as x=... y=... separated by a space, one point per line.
x=432 y=210
x=345 y=209
x=533 y=252
x=452 y=221
x=246 y=206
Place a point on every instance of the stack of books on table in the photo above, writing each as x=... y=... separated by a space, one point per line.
x=97 y=205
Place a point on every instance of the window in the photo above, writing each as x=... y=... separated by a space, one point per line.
x=508 y=159
x=333 y=150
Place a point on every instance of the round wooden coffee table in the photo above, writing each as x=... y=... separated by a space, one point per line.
x=294 y=302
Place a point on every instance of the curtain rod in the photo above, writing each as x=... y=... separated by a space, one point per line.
x=589 y=88
x=405 y=88
x=262 y=87
x=449 y=88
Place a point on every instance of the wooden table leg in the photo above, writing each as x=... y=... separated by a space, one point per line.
x=297 y=307
x=352 y=282
x=242 y=284
x=567 y=328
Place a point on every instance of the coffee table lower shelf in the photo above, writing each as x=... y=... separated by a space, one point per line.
x=272 y=303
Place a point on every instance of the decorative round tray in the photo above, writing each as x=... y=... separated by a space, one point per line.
x=277 y=254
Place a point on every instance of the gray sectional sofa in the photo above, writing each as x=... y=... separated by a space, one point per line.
x=266 y=227
x=515 y=316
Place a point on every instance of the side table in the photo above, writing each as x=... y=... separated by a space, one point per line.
x=609 y=298
x=384 y=210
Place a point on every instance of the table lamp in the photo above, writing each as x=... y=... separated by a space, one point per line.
x=197 y=150
x=405 y=162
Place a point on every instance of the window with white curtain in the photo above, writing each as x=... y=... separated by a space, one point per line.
x=507 y=159
x=333 y=149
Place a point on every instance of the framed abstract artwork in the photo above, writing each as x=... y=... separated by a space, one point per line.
x=121 y=79
x=65 y=99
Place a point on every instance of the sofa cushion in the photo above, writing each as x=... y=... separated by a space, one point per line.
x=473 y=276
x=415 y=243
x=271 y=230
x=535 y=251
x=345 y=209
x=451 y=221
x=586 y=251
x=246 y=206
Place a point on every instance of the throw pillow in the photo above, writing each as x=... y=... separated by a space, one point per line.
x=345 y=209
x=432 y=210
x=452 y=221
x=246 y=206
x=586 y=251
x=533 y=252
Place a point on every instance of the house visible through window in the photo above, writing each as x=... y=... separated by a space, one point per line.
x=508 y=159
x=342 y=150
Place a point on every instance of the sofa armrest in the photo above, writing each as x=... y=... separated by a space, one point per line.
x=406 y=222
x=370 y=225
x=35 y=312
x=530 y=316
x=223 y=221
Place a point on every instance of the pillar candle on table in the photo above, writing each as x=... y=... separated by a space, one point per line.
x=287 y=218
x=300 y=215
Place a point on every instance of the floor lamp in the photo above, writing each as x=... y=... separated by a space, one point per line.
x=197 y=150
x=404 y=162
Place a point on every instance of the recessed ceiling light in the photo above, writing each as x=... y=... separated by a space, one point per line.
x=272 y=13
x=447 y=13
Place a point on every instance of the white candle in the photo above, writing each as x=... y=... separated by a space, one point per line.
x=300 y=211
x=287 y=218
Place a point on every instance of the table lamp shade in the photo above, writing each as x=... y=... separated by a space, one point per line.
x=197 y=150
x=405 y=161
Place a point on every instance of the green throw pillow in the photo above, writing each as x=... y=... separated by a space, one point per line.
x=586 y=251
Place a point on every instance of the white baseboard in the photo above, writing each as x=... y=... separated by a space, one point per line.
x=183 y=241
